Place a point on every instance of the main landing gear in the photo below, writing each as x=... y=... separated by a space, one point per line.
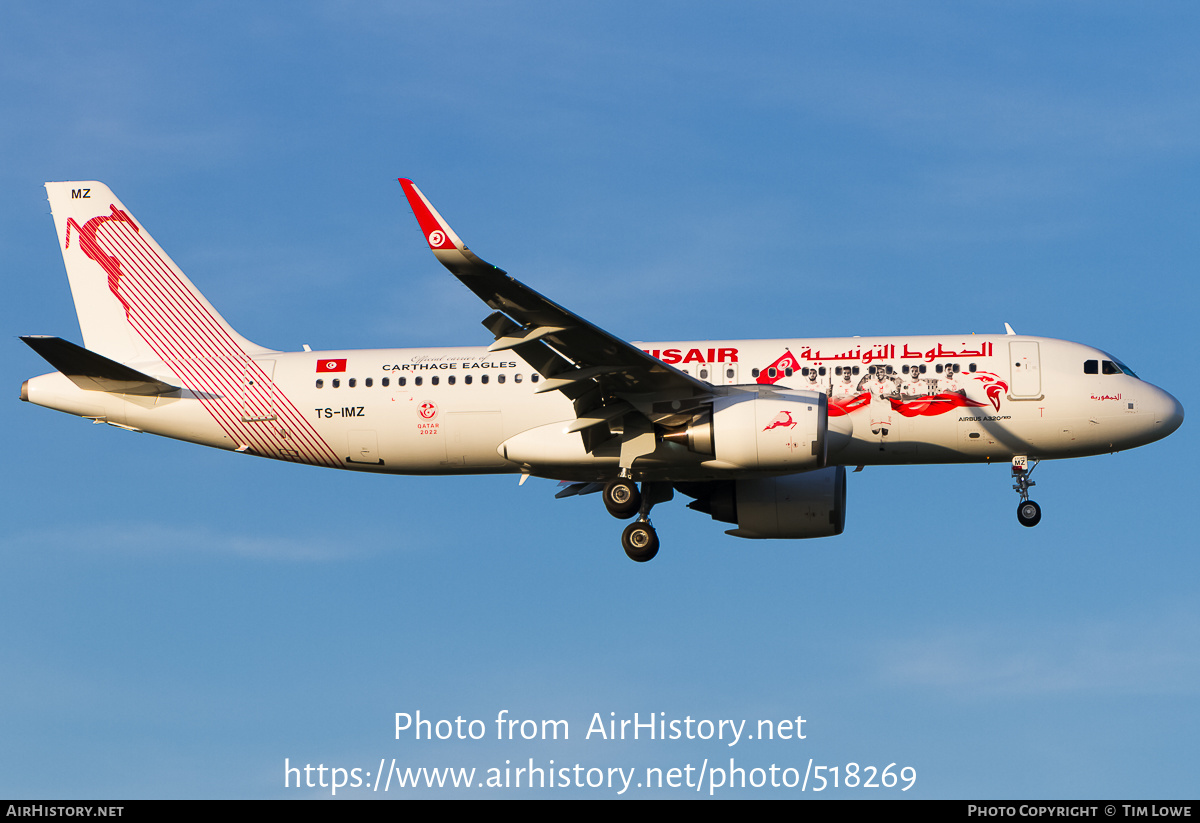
x=623 y=501
x=1028 y=512
x=622 y=498
x=640 y=541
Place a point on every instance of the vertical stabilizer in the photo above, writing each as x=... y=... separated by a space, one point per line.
x=133 y=302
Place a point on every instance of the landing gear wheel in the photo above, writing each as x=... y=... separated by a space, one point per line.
x=1029 y=513
x=640 y=541
x=622 y=498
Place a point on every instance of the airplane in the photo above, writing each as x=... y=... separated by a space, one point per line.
x=759 y=433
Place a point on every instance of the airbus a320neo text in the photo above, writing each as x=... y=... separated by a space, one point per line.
x=759 y=433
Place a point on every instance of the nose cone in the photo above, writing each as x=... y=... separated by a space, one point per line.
x=1159 y=414
x=1169 y=414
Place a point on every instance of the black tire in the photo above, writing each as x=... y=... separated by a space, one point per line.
x=622 y=498
x=1029 y=513
x=640 y=541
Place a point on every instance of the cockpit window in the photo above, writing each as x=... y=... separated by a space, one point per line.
x=1113 y=366
x=1124 y=369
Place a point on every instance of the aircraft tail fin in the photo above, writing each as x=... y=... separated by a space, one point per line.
x=134 y=304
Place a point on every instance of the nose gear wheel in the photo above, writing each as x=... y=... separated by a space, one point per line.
x=1028 y=513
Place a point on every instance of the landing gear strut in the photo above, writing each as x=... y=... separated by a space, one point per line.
x=1028 y=512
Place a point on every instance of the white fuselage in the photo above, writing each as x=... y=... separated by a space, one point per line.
x=452 y=410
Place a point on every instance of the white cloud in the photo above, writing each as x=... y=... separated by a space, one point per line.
x=148 y=538
x=1153 y=655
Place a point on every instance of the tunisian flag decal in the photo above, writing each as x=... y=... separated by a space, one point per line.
x=787 y=360
x=331 y=365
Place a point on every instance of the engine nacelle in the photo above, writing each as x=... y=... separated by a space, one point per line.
x=770 y=430
x=794 y=506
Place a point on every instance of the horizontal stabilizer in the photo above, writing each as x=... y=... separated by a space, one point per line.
x=94 y=372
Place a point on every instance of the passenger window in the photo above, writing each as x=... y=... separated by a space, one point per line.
x=500 y=378
x=517 y=378
x=467 y=379
x=754 y=372
x=352 y=382
x=400 y=381
x=433 y=381
x=533 y=378
x=1091 y=367
x=416 y=381
x=320 y=383
x=336 y=382
x=368 y=382
x=483 y=378
x=385 y=381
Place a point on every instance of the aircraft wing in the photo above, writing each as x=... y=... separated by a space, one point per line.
x=583 y=361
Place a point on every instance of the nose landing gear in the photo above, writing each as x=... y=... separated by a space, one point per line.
x=1028 y=513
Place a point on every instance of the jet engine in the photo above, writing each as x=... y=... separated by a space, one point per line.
x=793 y=506
x=764 y=430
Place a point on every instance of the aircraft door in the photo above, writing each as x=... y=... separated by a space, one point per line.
x=1025 y=370
x=257 y=402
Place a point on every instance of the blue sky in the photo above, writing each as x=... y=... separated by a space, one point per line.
x=178 y=621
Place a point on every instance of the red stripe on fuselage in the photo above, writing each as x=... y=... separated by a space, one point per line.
x=186 y=335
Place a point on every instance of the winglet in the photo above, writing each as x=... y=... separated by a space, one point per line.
x=438 y=233
x=446 y=246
